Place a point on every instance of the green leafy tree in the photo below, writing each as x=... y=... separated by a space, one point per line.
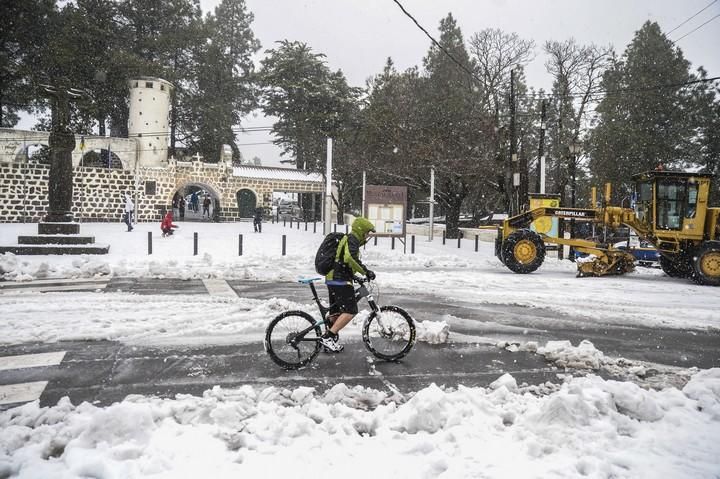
x=454 y=122
x=705 y=118
x=23 y=38
x=644 y=118
x=313 y=103
x=222 y=90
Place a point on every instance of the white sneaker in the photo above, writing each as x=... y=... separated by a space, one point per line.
x=331 y=344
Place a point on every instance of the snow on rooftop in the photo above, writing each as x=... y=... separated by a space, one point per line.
x=270 y=173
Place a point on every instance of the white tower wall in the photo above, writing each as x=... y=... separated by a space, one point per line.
x=148 y=121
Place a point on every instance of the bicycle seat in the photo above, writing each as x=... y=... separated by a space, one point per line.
x=309 y=280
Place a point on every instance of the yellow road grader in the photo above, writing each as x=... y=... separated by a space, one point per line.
x=671 y=211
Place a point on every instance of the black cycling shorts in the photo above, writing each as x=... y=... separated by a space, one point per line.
x=342 y=299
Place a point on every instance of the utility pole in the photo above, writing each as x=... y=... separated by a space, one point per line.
x=541 y=149
x=432 y=203
x=514 y=204
x=328 y=189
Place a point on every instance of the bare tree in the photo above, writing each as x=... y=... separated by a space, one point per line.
x=577 y=70
x=495 y=54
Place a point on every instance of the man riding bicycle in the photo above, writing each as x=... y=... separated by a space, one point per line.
x=339 y=281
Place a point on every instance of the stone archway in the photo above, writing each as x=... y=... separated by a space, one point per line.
x=201 y=191
x=247 y=202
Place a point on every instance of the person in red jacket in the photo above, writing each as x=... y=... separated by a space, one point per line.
x=167 y=224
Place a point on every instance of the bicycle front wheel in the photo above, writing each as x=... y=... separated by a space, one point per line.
x=389 y=333
x=286 y=343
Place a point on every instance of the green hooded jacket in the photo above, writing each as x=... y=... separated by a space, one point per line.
x=347 y=256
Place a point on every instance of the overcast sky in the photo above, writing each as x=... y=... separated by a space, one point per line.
x=358 y=35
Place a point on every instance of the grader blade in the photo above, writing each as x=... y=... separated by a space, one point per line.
x=610 y=263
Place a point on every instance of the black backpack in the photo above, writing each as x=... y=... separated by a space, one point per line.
x=325 y=256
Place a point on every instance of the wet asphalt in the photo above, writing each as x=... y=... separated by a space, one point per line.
x=103 y=372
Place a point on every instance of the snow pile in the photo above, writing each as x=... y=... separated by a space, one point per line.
x=432 y=332
x=704 y=387
x=565 y=355
x=589 y=427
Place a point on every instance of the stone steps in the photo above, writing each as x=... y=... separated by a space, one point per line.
x=28 y=249
x=56 y=239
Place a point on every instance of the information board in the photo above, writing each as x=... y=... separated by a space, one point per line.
x=385 y=207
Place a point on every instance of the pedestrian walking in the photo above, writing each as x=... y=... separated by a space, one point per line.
x=257 y=220
x=128 y=212
x=181 y=207
x=206 y=207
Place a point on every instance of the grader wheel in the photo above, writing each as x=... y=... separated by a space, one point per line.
x=523 y=251
x=676 y=265
x=706 y=264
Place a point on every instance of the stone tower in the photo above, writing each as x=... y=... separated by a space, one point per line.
x=148 y=121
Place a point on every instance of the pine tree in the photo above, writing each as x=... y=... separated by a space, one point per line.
x=311 y=101
x=222 y=91
x=644 y=117
x=452 y=123
x=24 y=35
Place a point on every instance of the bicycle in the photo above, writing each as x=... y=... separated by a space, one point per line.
x=292 y=339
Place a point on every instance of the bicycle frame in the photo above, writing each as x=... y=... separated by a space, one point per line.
x=360 y=292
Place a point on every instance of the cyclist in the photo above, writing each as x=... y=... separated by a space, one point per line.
x=339 y=281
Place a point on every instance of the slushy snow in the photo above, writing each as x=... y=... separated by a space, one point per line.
x=578 y=427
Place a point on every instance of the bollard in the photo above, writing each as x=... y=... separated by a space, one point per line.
x=283 y=245
x=459 y=238
x=412 y=244
x=346 y=228
x=149 y=242
x=443 y=237
x=195 y=242
x=476 y=243
x=240 y=245
x=284 y=220
x=306 y=226
x=375 y=243
x=314 y=227
x=392 y=243
x=335 y=228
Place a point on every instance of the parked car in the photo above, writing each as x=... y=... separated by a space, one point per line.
x=644 y=252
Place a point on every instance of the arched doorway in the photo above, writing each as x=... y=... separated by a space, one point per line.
x=247 y=201
x=101 y=158
x=196 y=202
x=38 y=152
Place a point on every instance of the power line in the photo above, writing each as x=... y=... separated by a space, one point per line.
x=698 y=13
x=437 y=44
x=696 y=29
x=147 y=134
x=626 y=90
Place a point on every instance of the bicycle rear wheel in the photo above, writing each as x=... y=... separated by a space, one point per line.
x=389 y=333
x=285 y=345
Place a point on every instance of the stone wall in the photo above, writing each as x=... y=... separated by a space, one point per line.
x=98 y=193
